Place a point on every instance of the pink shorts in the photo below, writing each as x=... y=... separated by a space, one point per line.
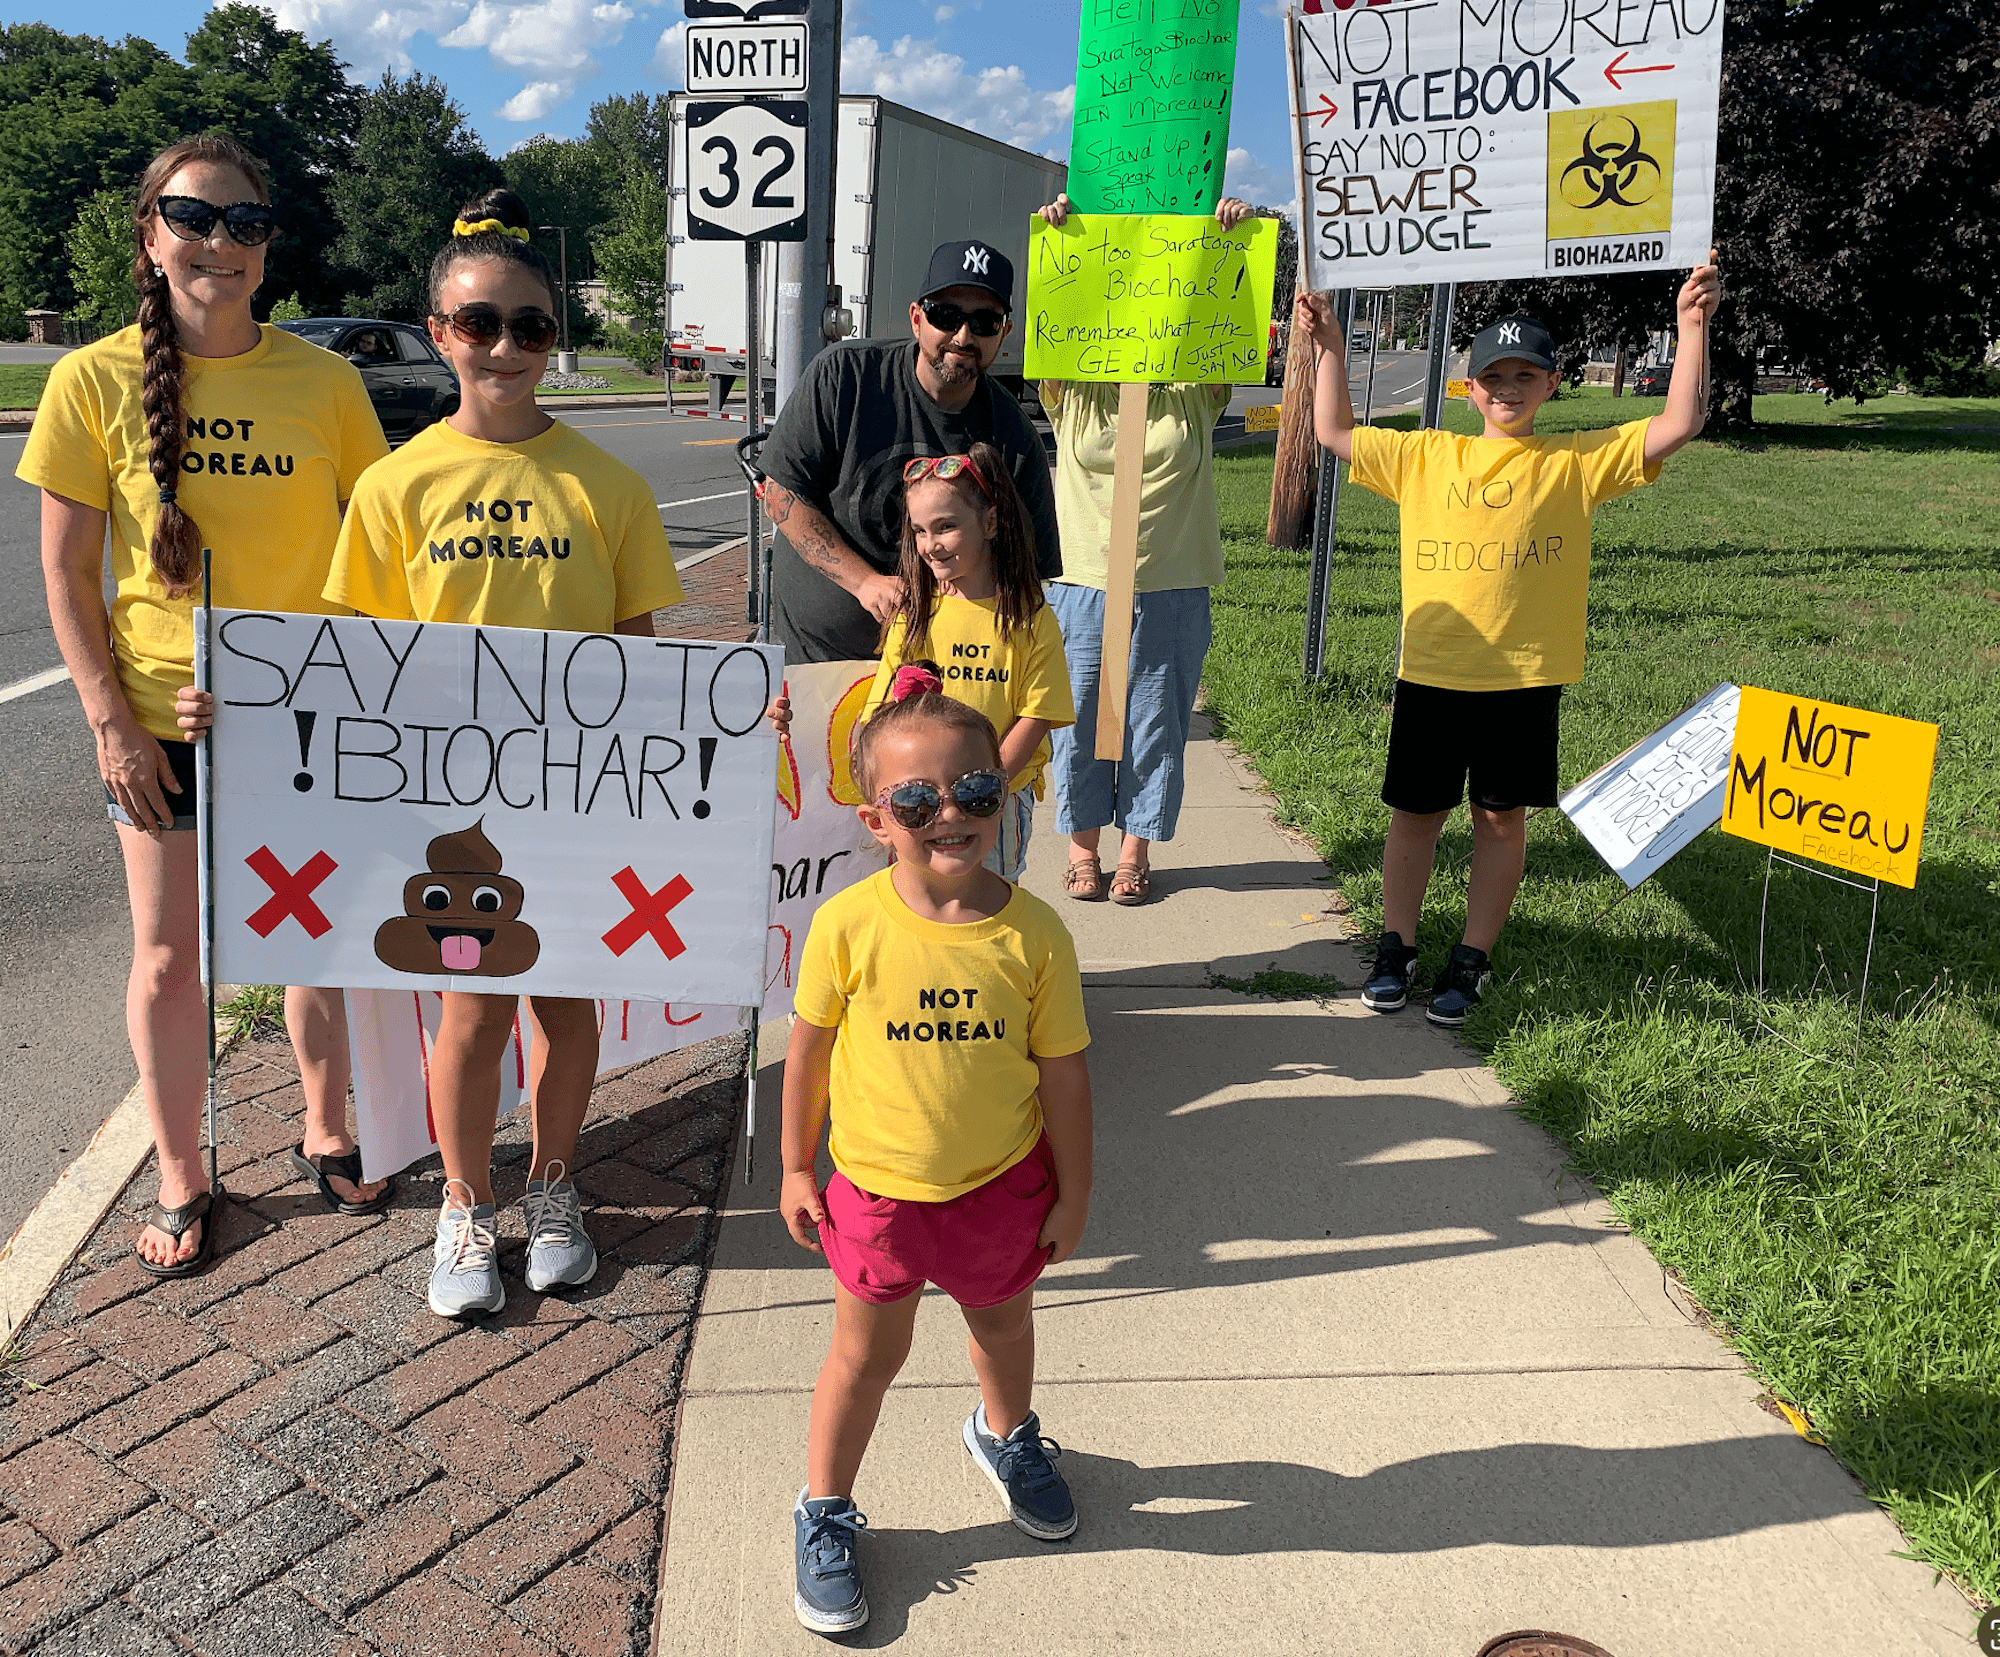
x=980 y=1248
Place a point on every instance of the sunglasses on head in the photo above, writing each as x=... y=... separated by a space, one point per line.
x=948 y=319
x=916 y=804
x=942 y=467
x=483 y=325
x=249 y=223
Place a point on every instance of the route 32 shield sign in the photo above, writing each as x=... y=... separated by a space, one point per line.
x=746 y=172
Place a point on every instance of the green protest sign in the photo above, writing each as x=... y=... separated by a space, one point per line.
x=1152 y=298
x=1153 y=83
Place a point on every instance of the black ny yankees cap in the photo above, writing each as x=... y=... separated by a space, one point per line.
x=971 y=265
x=1512 y=336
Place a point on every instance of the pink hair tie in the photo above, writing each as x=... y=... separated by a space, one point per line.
x=913 y=681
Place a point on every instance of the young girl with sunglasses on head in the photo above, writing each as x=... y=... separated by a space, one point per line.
x=567 y=539
x=972 y=611
x=940 y=1027
x=195 y=428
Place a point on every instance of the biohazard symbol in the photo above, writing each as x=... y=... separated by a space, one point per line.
x=1612 y=170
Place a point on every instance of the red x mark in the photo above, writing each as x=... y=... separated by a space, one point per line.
x=291 y=894
x=649 y=914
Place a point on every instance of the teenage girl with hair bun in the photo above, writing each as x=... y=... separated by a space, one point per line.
x=195 y=427
x=593 y=558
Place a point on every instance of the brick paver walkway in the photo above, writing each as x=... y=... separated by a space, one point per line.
x=291 y=1454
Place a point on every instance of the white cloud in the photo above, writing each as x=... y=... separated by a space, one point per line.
x=944 y=14
x=1250 y=180
x=997 y=101
x=670 y=56
x=553 y=39
x=368 y=34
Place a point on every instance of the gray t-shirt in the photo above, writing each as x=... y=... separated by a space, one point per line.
x=846 y=432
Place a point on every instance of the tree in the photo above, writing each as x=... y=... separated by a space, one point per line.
x=633 y=130
x=100 y=259
x=416 y=162
x=78 y=115
x=632 y=258
x=1857 y=211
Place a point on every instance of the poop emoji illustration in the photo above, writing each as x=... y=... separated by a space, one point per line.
x=462 y=917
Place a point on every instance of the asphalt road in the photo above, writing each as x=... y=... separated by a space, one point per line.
x=65 y=940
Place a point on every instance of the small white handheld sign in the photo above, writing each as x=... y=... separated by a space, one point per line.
x=746 y=172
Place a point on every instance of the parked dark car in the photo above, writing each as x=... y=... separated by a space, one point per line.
x=409 y=383
x=1651 y=381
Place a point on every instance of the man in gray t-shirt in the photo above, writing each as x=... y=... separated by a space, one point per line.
x=862 y=411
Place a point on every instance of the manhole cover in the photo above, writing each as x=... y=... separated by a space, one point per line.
x=1538 y=1642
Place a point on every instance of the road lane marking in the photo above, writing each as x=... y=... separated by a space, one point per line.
x=33 y=683
x=697 y=500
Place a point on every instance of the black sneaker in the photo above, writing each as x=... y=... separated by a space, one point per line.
x=1456 y=991
x=1388 y=986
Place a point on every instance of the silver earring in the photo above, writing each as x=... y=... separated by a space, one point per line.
x=159 y=270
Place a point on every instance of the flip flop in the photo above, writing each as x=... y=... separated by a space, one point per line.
x=197 y=1210
x=347 y=1164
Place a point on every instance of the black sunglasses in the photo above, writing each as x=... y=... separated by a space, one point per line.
x=483 y=325
x=249 y=223
x=916 y=804
x=948 y=319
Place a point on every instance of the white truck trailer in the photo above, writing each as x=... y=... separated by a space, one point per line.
x=903 y=183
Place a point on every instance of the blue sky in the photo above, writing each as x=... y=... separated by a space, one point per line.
x=1003 y=67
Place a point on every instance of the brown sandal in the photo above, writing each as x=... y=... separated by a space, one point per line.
x=1132 y=884
x=1084 y=880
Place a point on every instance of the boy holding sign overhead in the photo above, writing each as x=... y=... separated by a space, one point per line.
x=1495 y=567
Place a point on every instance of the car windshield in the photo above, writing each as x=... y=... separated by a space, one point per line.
x=318 y=332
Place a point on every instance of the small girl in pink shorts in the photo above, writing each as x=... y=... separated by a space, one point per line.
x=940 y=1026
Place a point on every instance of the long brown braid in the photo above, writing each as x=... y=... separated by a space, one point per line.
x=176 y=544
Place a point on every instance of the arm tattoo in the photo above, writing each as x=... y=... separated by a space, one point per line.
x=809 y=540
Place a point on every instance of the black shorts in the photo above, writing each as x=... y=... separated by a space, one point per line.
x=182 y=758
x=1505 y=740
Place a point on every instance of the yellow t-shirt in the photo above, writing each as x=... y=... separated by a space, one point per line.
x=551 y=533
x=1022 y=676
x=934 y=1086
x=276 y=440
x=1180 y=537
x=1496 y=546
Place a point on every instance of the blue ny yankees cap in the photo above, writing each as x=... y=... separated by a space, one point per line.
x=971 y=265
x=1512 y=336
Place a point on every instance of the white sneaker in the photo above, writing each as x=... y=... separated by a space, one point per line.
x=465 y=1268
x=560 y=1252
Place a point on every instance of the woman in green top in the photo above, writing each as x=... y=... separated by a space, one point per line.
x=1180 y=558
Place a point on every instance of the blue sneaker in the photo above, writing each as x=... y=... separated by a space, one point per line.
x=560 y=1252
x=1456 y=991
x=828 y=1596
x=1022 y=1468
x=1388 y=986
x=465 y=1269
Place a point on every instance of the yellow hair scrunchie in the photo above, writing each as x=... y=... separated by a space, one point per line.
x=480 y=227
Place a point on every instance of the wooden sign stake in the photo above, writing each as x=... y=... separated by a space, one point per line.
x=1128 y=477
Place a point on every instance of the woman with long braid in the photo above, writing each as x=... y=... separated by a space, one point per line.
x=196 y=427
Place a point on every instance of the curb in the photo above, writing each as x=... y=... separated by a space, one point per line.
x=46 y=1242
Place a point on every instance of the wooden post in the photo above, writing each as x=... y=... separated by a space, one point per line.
x=1114 y=666
x=1296 y=474
x=1618 y=372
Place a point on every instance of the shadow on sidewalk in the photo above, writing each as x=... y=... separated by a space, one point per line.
x=1515 y=1495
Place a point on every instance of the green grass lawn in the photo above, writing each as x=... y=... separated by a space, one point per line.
x=622 y=379
x=1841 y=1224
x=21 y=384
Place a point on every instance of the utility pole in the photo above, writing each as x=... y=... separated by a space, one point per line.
x=806 y=292
x=565 y=357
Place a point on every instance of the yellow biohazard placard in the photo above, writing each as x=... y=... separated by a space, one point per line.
x=1611 y=185
x=1836 y=784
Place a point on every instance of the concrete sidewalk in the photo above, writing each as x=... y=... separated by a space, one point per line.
x=1346 y=1362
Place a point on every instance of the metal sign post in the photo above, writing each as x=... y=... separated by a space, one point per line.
x=1326 y=512
x=1443 y=296
x=757 y=600
x=809 y=302
x=1874 y=889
